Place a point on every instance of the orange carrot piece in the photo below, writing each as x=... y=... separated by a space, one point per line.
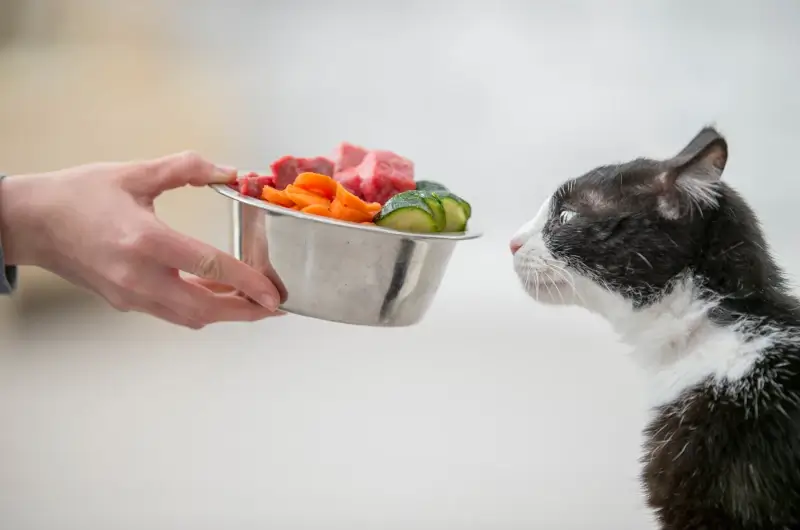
x=274 y=196
x=345 y=213
x=349 y=200
x=373 y=207
x=317 y=209
x=305 y=198
x=317 y=184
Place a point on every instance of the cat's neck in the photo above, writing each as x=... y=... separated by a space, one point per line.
x=669 y=329
x=691 y=335
x=735 y=264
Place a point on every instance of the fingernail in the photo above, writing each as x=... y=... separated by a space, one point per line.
x=225 y=175
x=268 y=301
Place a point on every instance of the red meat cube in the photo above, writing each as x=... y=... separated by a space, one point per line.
x=385 y=174
x=252 y=184
x=348 y=156
x=351 y=180
x=287 y=168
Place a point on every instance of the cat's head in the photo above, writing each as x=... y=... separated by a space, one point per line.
x=622 y=233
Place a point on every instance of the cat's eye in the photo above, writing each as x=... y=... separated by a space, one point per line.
x=566 y=216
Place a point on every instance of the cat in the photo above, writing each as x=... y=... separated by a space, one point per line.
x=676 y=261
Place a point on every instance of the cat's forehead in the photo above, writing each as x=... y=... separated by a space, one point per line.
x=611 y=186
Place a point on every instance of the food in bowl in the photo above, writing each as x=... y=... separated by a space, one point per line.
x=360 y=186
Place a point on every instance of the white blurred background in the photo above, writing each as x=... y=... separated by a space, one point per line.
x=493 y=413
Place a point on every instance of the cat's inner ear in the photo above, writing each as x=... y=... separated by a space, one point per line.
x=694 y=171
x=708 y=149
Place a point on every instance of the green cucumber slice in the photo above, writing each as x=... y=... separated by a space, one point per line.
x=407 y=212
x=430 y=185
x=455 y=215
x=457 y=211
x=437 y=208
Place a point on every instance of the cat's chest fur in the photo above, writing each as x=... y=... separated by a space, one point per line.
x=678 y=345
x=725 y=412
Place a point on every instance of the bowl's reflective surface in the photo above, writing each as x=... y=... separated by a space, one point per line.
x=342 y=272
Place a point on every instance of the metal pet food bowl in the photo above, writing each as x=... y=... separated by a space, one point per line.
x=338 y=271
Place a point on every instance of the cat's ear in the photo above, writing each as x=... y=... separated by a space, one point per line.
x=696 y=169
x=704 y=157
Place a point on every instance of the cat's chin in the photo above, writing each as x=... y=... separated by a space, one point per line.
x=555 y=298
x=546 y=280
x=550 y=292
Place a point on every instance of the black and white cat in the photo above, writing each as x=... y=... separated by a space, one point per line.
x=676 y=261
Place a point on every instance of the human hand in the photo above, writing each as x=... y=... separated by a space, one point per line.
x=95 y=226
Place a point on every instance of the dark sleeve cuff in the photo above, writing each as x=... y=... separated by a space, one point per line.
x=8 y=274
x=8 y=278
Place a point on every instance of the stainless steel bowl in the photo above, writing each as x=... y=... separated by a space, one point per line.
x=338 y=271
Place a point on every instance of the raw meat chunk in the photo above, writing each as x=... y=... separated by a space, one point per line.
x=252 y=184
x=287 y=168
x=348 y=156
x=384 y=174
x=351 y=180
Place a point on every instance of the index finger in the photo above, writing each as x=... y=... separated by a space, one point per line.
x=178 y=251
x=175 y=171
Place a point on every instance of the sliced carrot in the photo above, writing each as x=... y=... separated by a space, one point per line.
x=349 y=200
x=317 y=209
x=305 y=198
x=274 y=196
x=318 y=184
x=373 y=207
x=340 y=211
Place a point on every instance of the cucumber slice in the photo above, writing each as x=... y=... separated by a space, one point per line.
x=437 y=208
x=407 y=212
x=430 y=185
x=457 y=211
x=442 y=191
x=455 y=215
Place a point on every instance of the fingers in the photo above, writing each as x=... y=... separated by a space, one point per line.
x=175 y=171
x=211 y=285
x=169 y=297
x=197 y=303
x=164 y=313
x=270 y=272
x=181 y=252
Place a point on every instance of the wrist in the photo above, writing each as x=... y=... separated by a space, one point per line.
x=17 y=220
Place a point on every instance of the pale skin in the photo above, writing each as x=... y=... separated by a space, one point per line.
x=95 y=226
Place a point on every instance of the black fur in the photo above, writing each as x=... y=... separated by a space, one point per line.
x=721 y=457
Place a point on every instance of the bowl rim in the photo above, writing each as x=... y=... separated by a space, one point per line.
x=227 y=191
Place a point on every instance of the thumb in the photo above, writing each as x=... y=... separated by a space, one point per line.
x=181 y=169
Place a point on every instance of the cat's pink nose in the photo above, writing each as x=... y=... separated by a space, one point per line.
x=515 y=246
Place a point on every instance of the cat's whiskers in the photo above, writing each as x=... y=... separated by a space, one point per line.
x=526 y=278
x=547 y=284
x=530 y=276
x=555 y=286
x=645 y=259
x=569 y=279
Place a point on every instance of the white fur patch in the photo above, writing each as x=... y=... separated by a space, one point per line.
x=680 y=347
x=699 y=186
x=534 y=227
x=595 y=200
x=543 y=276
